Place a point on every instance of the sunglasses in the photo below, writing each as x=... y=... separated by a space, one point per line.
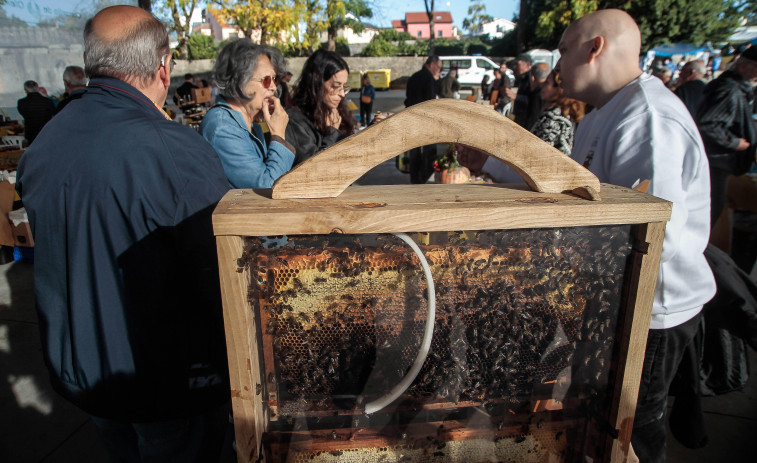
x=266 y=81
x=336 y=88
x=171 y=63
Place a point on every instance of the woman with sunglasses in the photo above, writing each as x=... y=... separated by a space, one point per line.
x=319 y=116
x=245 y=74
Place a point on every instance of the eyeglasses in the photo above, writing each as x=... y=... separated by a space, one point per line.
x=336 y=88
x=266 y=80
x=171 y=63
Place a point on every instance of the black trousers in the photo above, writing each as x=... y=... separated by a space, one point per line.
x=366 y=113
x=422 y=163
x=665 y=349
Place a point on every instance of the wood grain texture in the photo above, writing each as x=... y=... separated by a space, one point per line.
x=242 y=350
x=412 y=208
x=633 y=343
x=331 y=171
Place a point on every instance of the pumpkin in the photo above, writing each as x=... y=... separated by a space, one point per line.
x=458 y=174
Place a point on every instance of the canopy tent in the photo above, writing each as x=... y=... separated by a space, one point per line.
x=680 y=49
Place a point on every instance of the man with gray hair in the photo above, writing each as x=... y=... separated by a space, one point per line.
x=690 y=85
x=75 y=82
x=120 y=199
x=36 y=109
x=539 y=73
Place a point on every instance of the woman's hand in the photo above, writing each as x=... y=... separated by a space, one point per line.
x=335 y=119
x=275 y=116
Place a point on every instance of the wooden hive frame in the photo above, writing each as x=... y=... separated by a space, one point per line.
x=315 y=198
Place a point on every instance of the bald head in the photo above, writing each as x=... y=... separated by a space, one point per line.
x=124 y=42
x=599 y=55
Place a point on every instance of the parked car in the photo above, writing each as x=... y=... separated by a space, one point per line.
x=471 y=69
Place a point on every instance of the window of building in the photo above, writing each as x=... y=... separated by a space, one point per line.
x=419 y=34
x=439 y=34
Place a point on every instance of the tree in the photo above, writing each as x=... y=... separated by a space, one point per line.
x=345 y=13
x=270 y=17
x=691 y=21
x=179 y=22
x=430 y=14
x=200 y=46
x=557 y=15
x=145 y=5
x=476 y=17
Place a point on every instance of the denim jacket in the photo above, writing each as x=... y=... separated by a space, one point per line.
x=247 y=160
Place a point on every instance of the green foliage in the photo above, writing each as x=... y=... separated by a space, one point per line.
x=449 y=47
x=379 y=47
x=557 y=16
x=391 y=35
x=690 y=21
x=506 y=46
x=201 y=46
x=476 y=16
x=342 y=46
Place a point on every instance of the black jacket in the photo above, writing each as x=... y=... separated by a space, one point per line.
x=724 y=116
x=126 y=273
x=307 y=141
x=691 y=93
x=421 y=87
x=36 y=109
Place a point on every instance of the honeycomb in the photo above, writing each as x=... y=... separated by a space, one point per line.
x=525 y=324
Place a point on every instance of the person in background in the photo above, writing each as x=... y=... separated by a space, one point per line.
x=538 y=75
x=367 y=95
x=724 y=118
x=690 y=85
x=36 y=109
x=449 y=85
x=282 y=89
x=640 y=131
x=120 y=201
x=184 y=92
x=520 y=96
x=664 y=74
x=561 y=115
x=485 y=88
x=423 y=86
x=246 y=76
x=319 y=116
x=75 y=82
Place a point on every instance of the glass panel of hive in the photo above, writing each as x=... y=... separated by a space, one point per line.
x=524 y=326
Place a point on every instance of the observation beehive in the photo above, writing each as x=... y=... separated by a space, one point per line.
x=437 y=322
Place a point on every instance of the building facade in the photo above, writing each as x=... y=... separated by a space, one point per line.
x=417 y=25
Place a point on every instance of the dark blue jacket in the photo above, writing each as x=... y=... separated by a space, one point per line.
x=126 y=276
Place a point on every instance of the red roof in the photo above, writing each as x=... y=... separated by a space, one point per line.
x=422 y=17
x=398 y=23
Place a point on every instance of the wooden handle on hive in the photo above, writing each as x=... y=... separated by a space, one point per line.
x=544 y=168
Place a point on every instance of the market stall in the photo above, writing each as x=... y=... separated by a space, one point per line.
x=437 y=322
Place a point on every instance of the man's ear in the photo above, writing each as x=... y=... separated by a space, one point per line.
x=598 y=44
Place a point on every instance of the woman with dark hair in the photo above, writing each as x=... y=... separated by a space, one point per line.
x=246 y=76
x=558 y=120
x=319 y=116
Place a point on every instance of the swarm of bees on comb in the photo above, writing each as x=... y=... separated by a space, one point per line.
x=522 y=316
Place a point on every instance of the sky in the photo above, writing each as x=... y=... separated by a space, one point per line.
x=384 y=11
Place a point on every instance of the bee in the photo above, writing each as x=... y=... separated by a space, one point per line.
x=281 y=261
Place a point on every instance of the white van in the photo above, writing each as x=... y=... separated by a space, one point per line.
x=471 y=69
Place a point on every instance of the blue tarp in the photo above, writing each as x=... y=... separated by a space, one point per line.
x=678 y=49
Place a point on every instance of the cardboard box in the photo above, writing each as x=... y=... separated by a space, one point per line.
x=22 y=234
x=7 y=194
x=201 y=95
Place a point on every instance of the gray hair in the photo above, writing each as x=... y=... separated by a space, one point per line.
x=697 y=66
x=540 y=71
x=134 y=56
x=30 y=86
x=236 y=64
x=74 y=76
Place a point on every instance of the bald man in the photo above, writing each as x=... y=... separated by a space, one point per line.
x=126 y=276
x=640 y=130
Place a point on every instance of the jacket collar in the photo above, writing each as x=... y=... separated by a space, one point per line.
x=238 y=117
x=124 y=92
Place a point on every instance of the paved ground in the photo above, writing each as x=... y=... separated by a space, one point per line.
x=38 y=426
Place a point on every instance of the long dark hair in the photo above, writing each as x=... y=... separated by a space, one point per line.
x=309 y=91
x=570 y=108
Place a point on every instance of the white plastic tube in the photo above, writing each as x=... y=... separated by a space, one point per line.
x=404 y=384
